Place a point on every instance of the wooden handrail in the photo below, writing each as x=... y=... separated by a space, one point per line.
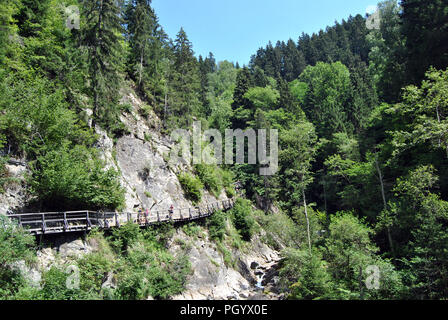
x=68 y=221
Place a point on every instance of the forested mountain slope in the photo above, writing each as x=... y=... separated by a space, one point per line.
x=85 y=117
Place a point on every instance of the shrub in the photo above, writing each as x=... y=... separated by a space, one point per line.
x=15 y=243
x=54 y=286
x=151 y=271
x=215 y=179
x=192 y=186
x=74 y=177
x=242 y=218
x=281 y=231
x=122 y=238
x=192 y=229
x=304 y=276
x=210 y=177
x=217 y=225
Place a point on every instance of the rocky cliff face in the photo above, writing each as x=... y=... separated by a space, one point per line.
x=15 y=195
x=213 y=279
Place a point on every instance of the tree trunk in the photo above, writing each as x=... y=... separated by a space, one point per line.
x=383 y=195
x=307 y=221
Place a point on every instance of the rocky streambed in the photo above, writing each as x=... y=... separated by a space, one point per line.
x=253 y=277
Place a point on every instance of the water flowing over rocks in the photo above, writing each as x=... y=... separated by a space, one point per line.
x=213 y=280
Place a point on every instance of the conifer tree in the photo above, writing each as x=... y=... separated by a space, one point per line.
x=148 y=50
x=425 y=28
x=184 y=82
x=241 y=105
x=101 y=35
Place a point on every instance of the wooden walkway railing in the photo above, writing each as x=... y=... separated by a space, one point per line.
x=75 y=221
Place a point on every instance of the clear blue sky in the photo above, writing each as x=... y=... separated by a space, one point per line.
x=234 y=29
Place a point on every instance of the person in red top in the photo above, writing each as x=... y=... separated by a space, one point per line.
x=171 y=211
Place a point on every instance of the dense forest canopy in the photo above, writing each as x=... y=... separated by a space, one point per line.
x=362 y=116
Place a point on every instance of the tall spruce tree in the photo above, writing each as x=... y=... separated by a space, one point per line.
x=425 y=27
x=101 y=34
x=147 y=42
x=185 y=84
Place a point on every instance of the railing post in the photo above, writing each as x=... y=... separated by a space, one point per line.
x=106 y=222
x=117 y=223
x=65 y=222
x=189 y=213
x=44 y=227
x=158 y=216
x=88 y=222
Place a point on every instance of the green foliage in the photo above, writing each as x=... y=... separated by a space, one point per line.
x=101 y=34
x=217 y=225
x=54 y=286
x=215 y=179
x=149 y=271
x=192 y=186
x=123 y=238
x=305 y=275
x=192 y=229
x=349 y=249
x=15 y=245
x=263 y=98
x=243 y=219
x=210 y=177
x=68 y=178
x=422 y=24
x=424 y=113
x=386 y=165
x=327 y=101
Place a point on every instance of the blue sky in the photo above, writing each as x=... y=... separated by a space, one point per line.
x=234 y=29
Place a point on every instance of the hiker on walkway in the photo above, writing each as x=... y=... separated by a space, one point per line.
x=146 y=216
x=171 y=211
x=139 y=213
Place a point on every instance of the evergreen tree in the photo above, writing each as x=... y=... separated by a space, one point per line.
x=293 y=61
x=425 y=28
x=101 y=35
x=185 y=82
x=31 y=17
x=242 y=106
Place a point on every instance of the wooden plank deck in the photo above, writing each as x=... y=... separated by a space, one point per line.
x=75 y=221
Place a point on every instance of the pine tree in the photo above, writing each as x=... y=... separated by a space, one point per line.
x=425 y=27
x=147 y=42
x=31 y=17
x=294 y=61
x=8 y=10
x=101 y=35
x=241 y=105
x=141 y=24
x=185 y=84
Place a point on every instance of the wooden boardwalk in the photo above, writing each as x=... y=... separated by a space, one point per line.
x=75 y=221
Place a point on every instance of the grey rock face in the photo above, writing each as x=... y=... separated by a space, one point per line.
x=212 y=279
x=73 y=249
x=14 y=197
